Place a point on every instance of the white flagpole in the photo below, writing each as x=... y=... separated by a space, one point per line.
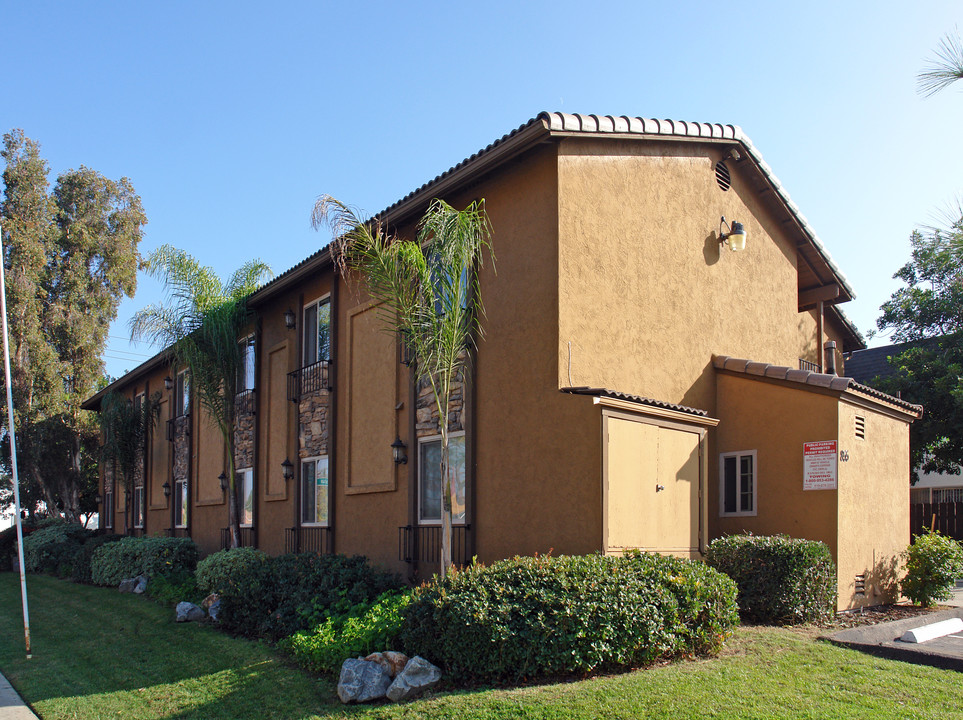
x=13 y=451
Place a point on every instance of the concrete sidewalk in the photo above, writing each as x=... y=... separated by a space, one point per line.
x=12 y=706
x=883 y=639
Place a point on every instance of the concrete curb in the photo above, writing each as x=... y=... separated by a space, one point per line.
x=12 y=706
x=883 y=641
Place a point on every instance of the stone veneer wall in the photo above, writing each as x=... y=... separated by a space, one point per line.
x=244 y=430
x=426 y=409
x=139 y=469
x=109 y=477
x=313 y=426
x=181 y=447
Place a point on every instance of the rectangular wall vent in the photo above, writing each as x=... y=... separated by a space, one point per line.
x=861 y=584
x=860 y=427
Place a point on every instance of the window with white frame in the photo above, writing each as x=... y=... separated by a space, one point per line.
x=245 y=371
x=430 y=484
x=317 y=331
x=109 y=509
x=182 y=394
x=245 y=479
x=314 y=491
x=138 y=508
x=737 y=483
x=180 y=503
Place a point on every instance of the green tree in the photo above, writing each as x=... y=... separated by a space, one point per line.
x=70 y=257
x=943 y=70
x=429 y=295
x=928 y=312
x=126 y=428
x=202 y=321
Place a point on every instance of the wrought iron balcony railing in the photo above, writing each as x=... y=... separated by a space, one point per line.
x=311 y=378
x=308 y=539
x=422 y=544
x=247 y=537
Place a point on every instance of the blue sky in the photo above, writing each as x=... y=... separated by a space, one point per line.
x=230 y=118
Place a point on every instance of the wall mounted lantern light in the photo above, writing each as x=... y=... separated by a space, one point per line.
x=398 y=452
x=735 y=238
x=168 y=383
x=167 y=489
x=287 y=469
x=290 y=319
x=222 y=478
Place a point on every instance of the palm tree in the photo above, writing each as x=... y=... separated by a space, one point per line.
x=429 y=295
x=126 y=427
x=945 y=69
x=201 y=322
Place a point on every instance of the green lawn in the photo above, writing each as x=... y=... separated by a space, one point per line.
x=99 y=654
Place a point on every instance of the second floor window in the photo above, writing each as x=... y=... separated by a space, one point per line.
x=317 y=331
x=245 y=371
x=182 y=394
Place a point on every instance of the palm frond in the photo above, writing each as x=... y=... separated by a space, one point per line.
x=944 y=69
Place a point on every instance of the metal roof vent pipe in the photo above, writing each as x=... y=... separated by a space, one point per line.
x=829 y=348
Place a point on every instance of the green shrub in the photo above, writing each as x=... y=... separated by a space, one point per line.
x=133 y=556
x=933 y=563
x=214 y=572
x=366 y=628
x=51 y=548
x=276 y=597
x=781 y=580
x=82 y=560
x=546 y=616
x=180 y=586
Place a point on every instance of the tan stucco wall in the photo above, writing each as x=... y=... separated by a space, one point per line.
x=774 y=420
x=874 y=525
x=646 y=293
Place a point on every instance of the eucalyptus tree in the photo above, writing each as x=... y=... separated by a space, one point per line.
x=201 y=320
x=945 y=69
x=70 y=256
x=126 y=427
x=428 y=293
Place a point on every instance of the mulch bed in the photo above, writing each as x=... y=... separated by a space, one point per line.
x=875 y=616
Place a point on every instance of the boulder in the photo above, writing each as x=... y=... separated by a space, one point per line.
x=210 y=600
x=362 y=681
x=393 y=662
x=128 y=585
x=214 y=610
x=140 y=586
x=419 y=675
x=189 y=612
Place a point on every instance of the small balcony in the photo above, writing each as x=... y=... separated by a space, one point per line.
x=422 y=544
x=312 y=378
x=244 y=402
x=810 y=366
x=308 y=540
x=247 y=537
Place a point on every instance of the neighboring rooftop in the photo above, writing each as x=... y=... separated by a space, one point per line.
x=867 y=365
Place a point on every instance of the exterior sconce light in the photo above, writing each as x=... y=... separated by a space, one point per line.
x=398 y=452
x=98 y=498
x=735 y=238
x=223 y=480
x=167 y=489
x=290 y=319
x=168 y=383
x=287 y=469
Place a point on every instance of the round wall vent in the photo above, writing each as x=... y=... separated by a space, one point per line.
x=722 y=175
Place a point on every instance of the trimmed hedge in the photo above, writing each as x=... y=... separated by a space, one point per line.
x=276 y=597
x=367 y=628
x=52 y=549
x=933 y=563
x=132 y=556
x=214 y=572
x=84 y=557
x=546 y=616
x=781 y=580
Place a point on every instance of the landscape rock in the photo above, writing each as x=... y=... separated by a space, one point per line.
x=393 y=662
x=189 y=612
x=214 y=610
x=140 y=586
x=419 y=675
x=210 y=600
x=362 y=681
x=128 y=585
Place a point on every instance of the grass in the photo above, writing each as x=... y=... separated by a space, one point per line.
x=99 y=654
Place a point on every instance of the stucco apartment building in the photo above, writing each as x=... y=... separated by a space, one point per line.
x=638 y=384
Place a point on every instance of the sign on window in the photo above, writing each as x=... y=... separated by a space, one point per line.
x=819 y=465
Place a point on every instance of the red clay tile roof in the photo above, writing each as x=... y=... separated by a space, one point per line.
x=605 y=392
